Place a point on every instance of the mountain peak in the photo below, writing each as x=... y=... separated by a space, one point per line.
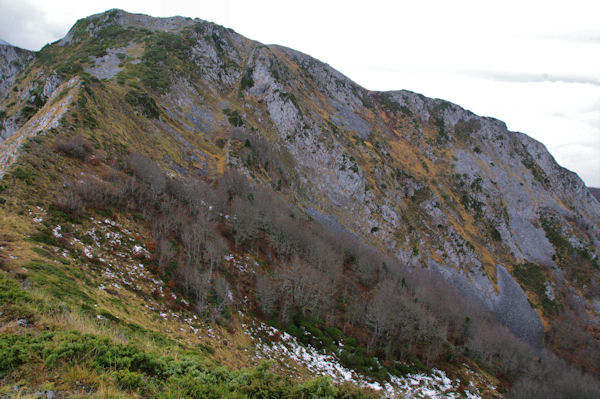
x=125 y=19
x=407 y=227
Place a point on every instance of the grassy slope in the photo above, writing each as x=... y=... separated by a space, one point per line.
x=84 y=288
x=82 y=314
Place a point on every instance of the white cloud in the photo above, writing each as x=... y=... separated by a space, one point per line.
x=534 y=64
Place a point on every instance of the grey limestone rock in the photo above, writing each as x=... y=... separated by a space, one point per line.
x=12 y=61
x=510 y=306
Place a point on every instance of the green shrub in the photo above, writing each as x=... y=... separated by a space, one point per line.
x=415 y=366
x=220 y=142
x=530 y=276
x=193 y=387
x=234 y=117
x=392 y=105
x=350 y=354
x=23 y=174
x=464 y=129
x=319 y=388
x=27 y=112
x=356 y=358
x=494 y=233
x=87 y=118
x=247 y=81
x=56 y=216
x=537 y=172
x=11 y=292
x=143 y=102
x=16 y=350
x=164 y=54
x=44 y=236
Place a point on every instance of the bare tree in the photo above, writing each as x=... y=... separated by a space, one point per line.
x=266 y=294
x=195 y=236
x=245 y=221
x=367 y=265
x=149 y=172
x=382 y=312
x=166 y=253
x=304 y=288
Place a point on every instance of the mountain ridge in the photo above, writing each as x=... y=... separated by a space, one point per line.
x=430 y=184
x=348 y=100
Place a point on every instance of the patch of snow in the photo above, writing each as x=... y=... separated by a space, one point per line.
x=87 y=252
x=285 y=347
x=56 y=231
x=137 y=249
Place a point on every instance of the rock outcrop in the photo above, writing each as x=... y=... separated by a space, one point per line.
x=12 y=61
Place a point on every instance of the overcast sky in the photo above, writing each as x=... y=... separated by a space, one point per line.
x=533 y=64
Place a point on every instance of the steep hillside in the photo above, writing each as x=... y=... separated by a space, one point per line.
x=407 y=230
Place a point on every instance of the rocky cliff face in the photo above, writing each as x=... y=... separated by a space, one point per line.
x=13 y=60
x=428 y=182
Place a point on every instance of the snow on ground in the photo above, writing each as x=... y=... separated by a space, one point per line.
x=242 y=266
x=283 y=347
x=113 y=248
x=121 y=269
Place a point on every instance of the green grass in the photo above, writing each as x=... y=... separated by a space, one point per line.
x=48 y=255
x=11 y=292
x=150 y=374
x=392 y=105
x=531 y=277
x=578 y=262
x=58 y=280
x=537 y=172
x=164 y=54
x=44 y=236
x=142 y=101
x=15 y=302
x=23 y=174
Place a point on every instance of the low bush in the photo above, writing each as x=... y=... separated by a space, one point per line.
x=234 y=117
x=23 y=174
x=143 y=102
x=153 y=375
x=75 y=147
